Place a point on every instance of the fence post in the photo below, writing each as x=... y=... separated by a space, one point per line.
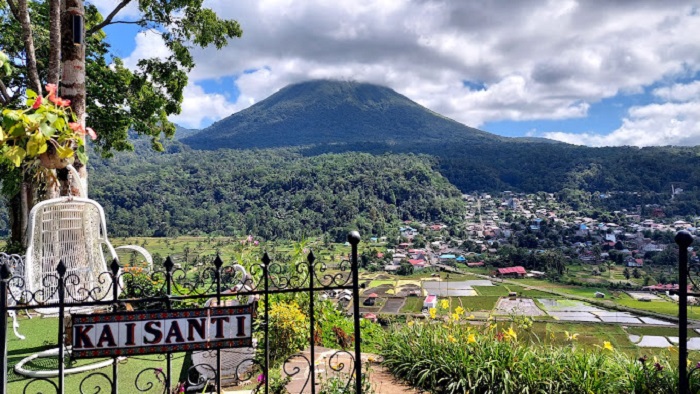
x=217 y=264
x=4 y=276
x=354 y=239
x=115 y=267
x=266 y=272
x=312 y=320
x=169 y=266
x=683 y=239
x=61 y=270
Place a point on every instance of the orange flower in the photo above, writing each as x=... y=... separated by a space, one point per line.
x=51 y=88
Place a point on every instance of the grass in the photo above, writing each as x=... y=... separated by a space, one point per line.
x=659 y=331
x=491 y=290
x=483 y=303
x=412 y=305
x=663 y=307
x=41 y=334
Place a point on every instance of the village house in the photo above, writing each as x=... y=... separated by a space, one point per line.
x=430 y=301
x=512 y=272
x=632 y=262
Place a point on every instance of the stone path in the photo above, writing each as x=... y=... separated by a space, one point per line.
x=331 y=363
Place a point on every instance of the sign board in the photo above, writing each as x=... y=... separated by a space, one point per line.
x=136 y=333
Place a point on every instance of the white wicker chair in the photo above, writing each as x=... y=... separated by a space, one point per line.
x=74 y=230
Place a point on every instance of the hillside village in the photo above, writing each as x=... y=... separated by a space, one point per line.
x=543 y=237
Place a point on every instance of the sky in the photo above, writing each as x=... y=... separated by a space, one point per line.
x=594 y=72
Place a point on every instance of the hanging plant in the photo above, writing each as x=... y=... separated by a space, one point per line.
x=44 y=133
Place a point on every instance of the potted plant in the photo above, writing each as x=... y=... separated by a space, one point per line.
x=45 y=133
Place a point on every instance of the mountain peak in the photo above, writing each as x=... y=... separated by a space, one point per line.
x=332 y=112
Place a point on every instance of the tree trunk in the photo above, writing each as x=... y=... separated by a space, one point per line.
x=73 y=79
x=54 y=42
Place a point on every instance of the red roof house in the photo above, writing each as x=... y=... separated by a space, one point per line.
x=517 y=271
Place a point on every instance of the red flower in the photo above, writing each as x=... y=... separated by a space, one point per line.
x=37 y=102
x=78 y=128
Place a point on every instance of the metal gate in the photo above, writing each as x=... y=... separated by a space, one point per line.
x=216 y=285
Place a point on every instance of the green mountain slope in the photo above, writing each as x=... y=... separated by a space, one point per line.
x=333 y=112
x=271 y=193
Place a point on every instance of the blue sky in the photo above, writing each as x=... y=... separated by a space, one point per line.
x=586 y=72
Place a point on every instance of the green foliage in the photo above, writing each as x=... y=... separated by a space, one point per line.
x=289 y=328
x=456 y=358
x=45 y=124
x=274 y=194
x=343 y=383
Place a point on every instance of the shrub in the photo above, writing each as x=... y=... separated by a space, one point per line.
x=289 y=329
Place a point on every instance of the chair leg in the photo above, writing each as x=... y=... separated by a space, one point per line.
x=15 y=324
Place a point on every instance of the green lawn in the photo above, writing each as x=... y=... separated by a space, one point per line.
x=42 y=334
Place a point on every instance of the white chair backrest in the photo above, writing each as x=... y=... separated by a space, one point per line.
x=71 y=229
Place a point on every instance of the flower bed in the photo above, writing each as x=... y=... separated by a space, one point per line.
x=454 y=357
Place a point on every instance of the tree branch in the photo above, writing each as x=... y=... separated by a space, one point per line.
x=108 y=19
x=13 y=8
x=5 y=96
x=33 y=75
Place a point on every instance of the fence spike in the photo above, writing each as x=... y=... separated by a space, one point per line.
x=115 y=267
x=169 y=264
x=61 y=268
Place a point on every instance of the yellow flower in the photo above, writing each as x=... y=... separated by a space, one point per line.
x=455 y=316
x=510 y=334
x=607 y=345
x=410 y=323
x=570 y=337
x=444 y=304
x=451 y=339
x=673 y=349
x=459 y=310
x=470 y=317
x=471 y=338
x=432 y=312
x=492 y=326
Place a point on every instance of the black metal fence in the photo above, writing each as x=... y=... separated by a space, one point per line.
x=169 y=288
x=686 y=270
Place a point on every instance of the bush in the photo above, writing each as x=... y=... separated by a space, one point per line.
x=289 y=329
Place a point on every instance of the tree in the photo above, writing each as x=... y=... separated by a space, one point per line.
x=95 y=80
x=626 y=272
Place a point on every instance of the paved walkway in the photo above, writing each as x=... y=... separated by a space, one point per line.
x=331 y=363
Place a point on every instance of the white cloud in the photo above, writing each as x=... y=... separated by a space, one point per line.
x=679 y=92
x=674 y=122
x=535 y=59
x=148 y=45
x=199 y=106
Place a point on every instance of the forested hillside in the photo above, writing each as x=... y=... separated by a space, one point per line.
x=272 y=193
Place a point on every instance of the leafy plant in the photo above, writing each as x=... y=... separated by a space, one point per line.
x=453 y=357
x=46 y=126
x=289 y=329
